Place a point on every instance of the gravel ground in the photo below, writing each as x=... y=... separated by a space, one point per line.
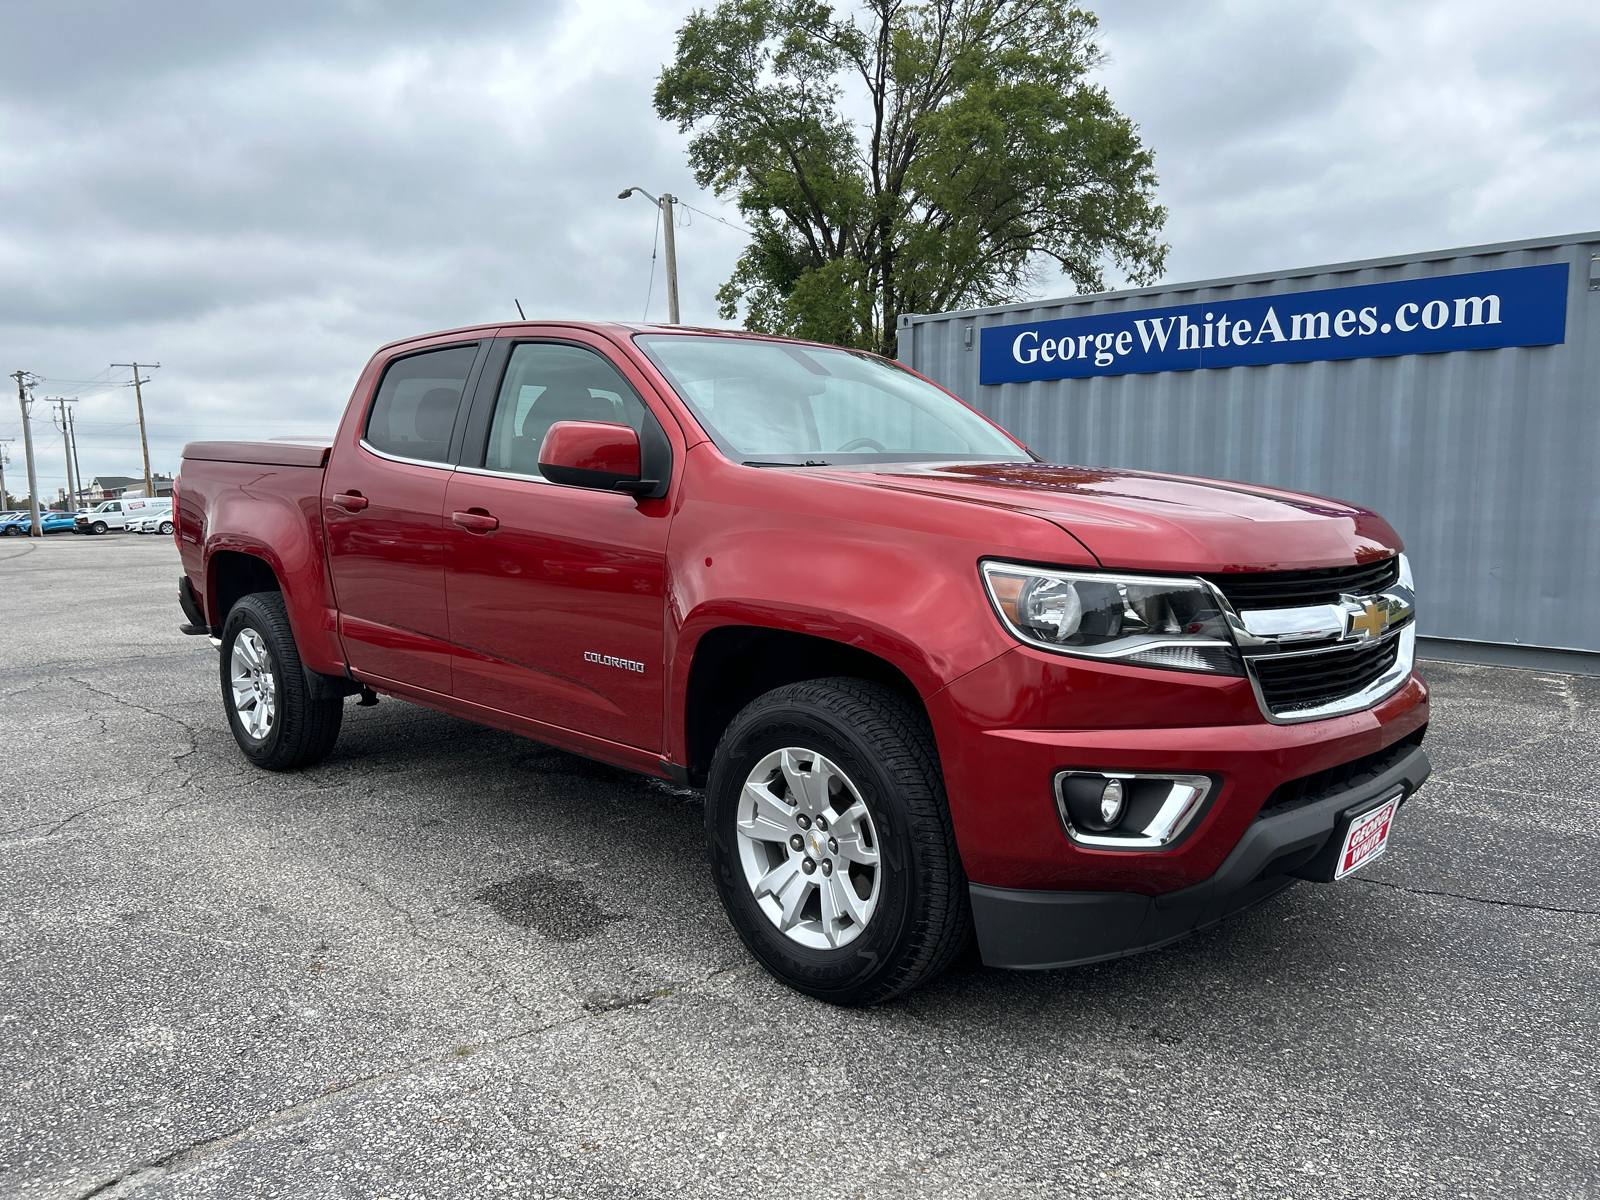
x=449 y=962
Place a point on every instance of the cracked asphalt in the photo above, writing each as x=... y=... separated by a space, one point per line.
x=449 y=962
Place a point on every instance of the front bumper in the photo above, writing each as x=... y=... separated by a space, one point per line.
x=1038 y=930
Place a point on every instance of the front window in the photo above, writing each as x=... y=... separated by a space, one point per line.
x=782 y=404
x=546 y=382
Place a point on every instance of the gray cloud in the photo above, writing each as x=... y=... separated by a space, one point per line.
x=1294 y=134
x=258 y=196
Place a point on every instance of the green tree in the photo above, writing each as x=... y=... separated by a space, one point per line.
x=911 y=157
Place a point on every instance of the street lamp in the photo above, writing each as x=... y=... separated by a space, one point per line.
x=665 y=203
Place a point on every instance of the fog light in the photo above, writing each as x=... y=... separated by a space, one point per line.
x=1127 y=810
x=1092 y=801
x=1111 y=803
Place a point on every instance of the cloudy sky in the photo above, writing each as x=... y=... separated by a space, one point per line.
x=257 y=196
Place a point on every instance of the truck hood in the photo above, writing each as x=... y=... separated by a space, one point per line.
x=1141 y=520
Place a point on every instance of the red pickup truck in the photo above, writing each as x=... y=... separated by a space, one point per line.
x=931 y=684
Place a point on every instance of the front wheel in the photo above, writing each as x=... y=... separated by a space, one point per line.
x=276 y=720
x=166 y=529
x=98 y=527
x=831 y=842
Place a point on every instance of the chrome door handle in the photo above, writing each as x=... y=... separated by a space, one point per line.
x=351 y=501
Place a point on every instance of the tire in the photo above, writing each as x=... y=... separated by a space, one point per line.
x=11 y=531
x=917 y=914
x=276 y=721
x=166 y=529
x=98 y=527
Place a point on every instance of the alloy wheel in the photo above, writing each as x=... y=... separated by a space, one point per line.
x=809 y=848
x=255 y=687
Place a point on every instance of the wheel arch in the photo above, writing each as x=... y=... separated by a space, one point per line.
x=733 y=664
x=232 y=574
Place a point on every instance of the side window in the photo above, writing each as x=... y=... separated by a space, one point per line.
x=546 y=382
x=415 y=408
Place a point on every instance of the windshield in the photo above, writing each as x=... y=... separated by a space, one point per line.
x=771 y=402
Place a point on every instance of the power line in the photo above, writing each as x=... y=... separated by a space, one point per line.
x=650 y=288
x=79 y=383
x=714 y=217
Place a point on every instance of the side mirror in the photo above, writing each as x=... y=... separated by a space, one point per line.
x=594 y=454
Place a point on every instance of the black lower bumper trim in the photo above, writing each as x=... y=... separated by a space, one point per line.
x=1034 y=930
x=190 y=604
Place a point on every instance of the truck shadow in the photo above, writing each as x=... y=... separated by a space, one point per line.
x=547 y=818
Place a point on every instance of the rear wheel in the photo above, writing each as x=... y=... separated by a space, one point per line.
x=831 y=842
x=276 y=720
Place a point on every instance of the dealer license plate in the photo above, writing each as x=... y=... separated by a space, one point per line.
x=1367 y=838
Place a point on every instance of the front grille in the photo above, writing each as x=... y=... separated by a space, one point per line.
x=1296 y=589
x=1298 y=793
x=1293 y=682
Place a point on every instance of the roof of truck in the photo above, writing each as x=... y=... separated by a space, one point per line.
x=617 y=329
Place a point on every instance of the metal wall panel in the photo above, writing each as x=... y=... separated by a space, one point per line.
x=1487 y=462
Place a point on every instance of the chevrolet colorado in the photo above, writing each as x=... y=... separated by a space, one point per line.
x=931 y=685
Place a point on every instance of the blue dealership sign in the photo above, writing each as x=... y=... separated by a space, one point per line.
x=1479 y=310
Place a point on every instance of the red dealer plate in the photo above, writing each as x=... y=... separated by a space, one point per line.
x=1368 y=837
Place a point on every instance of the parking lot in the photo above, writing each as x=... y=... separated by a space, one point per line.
x=449 y=962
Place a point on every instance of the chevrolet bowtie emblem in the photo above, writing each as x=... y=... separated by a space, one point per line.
x=1374 y=619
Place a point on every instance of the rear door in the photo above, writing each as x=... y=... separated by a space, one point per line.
x=557 y=612
x=383 y=500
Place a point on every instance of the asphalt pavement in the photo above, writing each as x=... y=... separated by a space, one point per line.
x=449 y=962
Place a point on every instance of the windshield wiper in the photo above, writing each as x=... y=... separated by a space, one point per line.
x=810 y=462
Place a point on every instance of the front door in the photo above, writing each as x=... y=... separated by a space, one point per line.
x=556 y=612
x=383 y=503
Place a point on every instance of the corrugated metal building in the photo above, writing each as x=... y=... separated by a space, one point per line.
x=1456 y=392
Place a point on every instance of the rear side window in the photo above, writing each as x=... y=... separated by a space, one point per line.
x=415 y=408
x=547 y=382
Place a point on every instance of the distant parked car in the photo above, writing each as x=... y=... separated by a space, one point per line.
x=157 y=522
x=118 y=514
x=51 y=522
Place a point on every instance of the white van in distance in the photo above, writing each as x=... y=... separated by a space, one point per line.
x=116 y=514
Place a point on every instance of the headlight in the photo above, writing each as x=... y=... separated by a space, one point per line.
x=1137 y=619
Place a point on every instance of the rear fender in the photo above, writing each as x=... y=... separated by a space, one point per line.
x=285 y=532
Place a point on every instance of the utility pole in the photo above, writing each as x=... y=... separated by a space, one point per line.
x=26 y=380
x=665 y=204
x=5 y=457
x=77 y=467
x=144 y=441
x=61 y=403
